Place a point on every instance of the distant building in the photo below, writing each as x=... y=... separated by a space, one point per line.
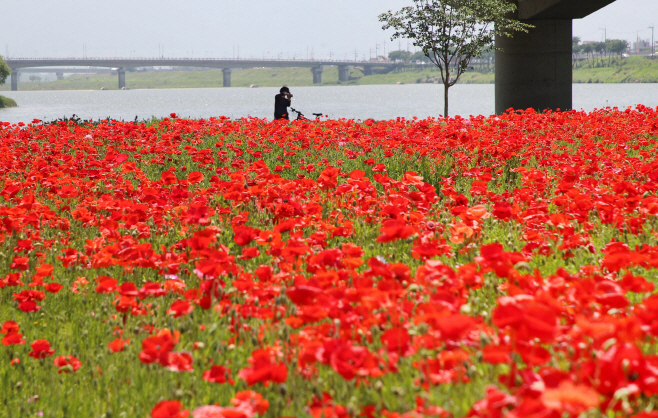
x=641 y=44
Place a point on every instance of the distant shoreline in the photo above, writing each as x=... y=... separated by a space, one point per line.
x=615 y=70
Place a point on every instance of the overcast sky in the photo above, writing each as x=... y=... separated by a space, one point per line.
x=257 y=28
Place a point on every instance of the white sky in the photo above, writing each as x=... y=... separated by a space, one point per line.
x=259 y=28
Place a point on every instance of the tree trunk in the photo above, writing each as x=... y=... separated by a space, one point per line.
x=445 y=100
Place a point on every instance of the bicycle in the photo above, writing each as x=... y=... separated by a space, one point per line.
x=300 y=115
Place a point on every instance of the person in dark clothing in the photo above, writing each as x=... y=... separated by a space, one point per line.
x=281 y=104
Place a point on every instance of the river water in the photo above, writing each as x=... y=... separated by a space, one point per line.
x=353 y=102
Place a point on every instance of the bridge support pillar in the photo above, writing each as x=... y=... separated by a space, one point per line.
x=226 y=73
x=60 y=76
x=317 y=75
x=343 y=73
x=534 y=69
x=368 y=70
x=122 y=78
x=14 y=79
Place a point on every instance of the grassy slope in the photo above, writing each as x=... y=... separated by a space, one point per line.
x=7 y=102
x=270 y=77
x=630 y=70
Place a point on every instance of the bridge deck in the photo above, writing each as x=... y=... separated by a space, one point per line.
x=183 y=62
x=559 y=9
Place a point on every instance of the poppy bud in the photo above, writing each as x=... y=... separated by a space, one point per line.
x=379 y=386
x=398 y=391
x=352 y=409
x=283 y=390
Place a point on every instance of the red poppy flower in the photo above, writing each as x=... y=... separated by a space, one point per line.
x=118 y=344
x=169 y=409
x=44 y=271
x=248 y=399
x=41 y=349
x=53 y=287
x=396 y=340
x=392 y=230
x=180 y=308
x=243 y=235
x=67 y=364
x=570 y=398
x=157 y=348
x=217 y=374
x=180 y=362
x=215 y=411
x=106 y=284
x=29 y=306
x=264 y=369
x=11 y=335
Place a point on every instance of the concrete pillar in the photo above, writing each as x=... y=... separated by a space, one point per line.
x=343 y=73
x=534 y=69
x=14 y=79
x=226 y=73
x=317 y=75
x=60 y=76
x=122 y=78
x=368 y=70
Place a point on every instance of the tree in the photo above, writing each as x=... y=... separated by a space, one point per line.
x=588 y=49
x=4 y=71
x=576 y=47
x=617 y=46
x=419 y=56
x=599 y=47
x=399 y=55
x=575 y=41
x=451 y=32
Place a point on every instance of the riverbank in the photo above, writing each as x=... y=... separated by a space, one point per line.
x=259 y=77
x=7 y=102
x=615 y=70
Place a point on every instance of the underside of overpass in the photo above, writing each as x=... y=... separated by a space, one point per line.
x=534 y=69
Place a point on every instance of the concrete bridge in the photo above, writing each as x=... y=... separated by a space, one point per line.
x=227 y=65
x=59 y=71
x=534 y=69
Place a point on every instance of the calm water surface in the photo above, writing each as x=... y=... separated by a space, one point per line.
x=357 y=102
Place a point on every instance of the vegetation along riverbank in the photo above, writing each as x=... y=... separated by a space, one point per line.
x=7 y=102
x=616 y=70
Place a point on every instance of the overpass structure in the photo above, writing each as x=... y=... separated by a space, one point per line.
x=227 y=65
x=59 y=71
x=534 y=69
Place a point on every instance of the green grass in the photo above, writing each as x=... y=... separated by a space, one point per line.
x=614 y=70
x=261 y=77
x=7 y=102
x=617 y=70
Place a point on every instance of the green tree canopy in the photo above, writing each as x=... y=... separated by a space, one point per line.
x=617 y=46
x=399 y=55
x=575 y=44
x=5 y=71
x=451 y=32
x=419 y=56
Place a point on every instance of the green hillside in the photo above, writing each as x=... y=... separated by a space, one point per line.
x=617 y=70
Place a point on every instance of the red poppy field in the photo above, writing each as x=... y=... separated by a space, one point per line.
x=483 y=267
